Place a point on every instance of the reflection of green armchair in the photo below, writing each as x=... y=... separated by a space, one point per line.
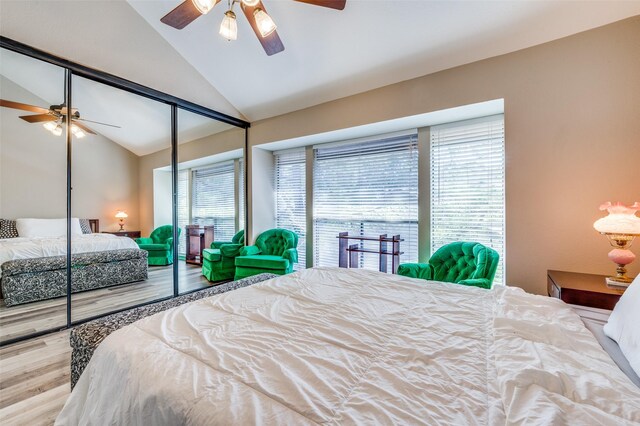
x=218 y=262
x=159 y=245
x=460 y=262
x=274 y=251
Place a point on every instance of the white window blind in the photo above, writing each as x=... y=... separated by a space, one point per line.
x=468 y=185
x=183 y=208
x=366 y=188
x=213 y=203
x=291 y=197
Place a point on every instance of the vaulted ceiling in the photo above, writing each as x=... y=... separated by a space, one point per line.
x=328 y=54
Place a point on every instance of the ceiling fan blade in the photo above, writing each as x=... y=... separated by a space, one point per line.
x=83 y=127
x=24 y=107
x=184 y=14
x=333 y=4
x=97 y=122
x=39 y=118
x=271 y=43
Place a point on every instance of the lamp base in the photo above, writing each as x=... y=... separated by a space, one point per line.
x=618 y=282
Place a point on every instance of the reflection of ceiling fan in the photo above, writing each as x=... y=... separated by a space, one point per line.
x=54 y=117
x=254 y=10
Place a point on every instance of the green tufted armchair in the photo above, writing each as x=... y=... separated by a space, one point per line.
x=465 y=263
x=159 y=245
x=274 y=251
x=218 y=262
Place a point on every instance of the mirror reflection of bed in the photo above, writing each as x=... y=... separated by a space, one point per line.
x=120 y=175
x=121 y=180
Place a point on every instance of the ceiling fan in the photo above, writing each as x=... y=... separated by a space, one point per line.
x=53 y=118
x=253 y=10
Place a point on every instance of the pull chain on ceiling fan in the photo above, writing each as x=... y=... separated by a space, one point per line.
x=255 y=12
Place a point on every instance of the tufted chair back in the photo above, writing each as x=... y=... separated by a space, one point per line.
x=459 y=261
x=238 y=238
x=276 y=241
x=161 y=234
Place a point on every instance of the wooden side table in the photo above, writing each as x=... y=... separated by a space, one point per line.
x=198 y=238
x=582 y=289
x=130 y=234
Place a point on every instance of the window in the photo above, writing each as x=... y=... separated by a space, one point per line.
x=367 y=188
x=291 y=197
x=468 y=185
x=213 y=199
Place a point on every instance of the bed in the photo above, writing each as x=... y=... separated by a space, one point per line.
x=33 y=267
x=338 y=346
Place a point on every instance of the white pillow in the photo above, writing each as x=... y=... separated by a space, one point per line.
x=32 y=228
x=624 y=324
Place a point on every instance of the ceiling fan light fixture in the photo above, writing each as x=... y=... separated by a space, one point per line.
x=229 y=26
x=50 y=125
x=250 y=3
x=77 y=131
x=265 y=24
x=204 y=6
x=57 y=131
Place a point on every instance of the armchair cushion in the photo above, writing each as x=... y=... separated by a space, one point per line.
x=264 y=261
x=144 y=240
x=212 y=255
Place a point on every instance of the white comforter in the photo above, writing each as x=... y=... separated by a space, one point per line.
x=27 y=248
x=340 y=346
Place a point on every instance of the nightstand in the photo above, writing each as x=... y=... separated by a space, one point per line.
x=582 y=289
x=130 y=234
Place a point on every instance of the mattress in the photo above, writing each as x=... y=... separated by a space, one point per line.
x=29 y=248
x=338 y=346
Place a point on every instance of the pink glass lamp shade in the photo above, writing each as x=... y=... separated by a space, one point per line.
x=122 y=215
x=621 y=226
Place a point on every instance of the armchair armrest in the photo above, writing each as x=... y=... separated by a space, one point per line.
x=249 y=251
x=416 y=270
x=477 y=282
x=230 y=249
x=291 y=254
x=144 y=240
x=218 y=244
x=169 y=241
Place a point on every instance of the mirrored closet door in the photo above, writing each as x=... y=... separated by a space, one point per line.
x=122 y=180
x=210 y=200
x=111 y=203
x=33 y=197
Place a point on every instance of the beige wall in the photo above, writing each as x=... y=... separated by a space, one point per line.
x=215 y=144
x=33 y=171
x=572 y=119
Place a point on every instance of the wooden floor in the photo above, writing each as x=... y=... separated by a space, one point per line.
x=34 y=374
x=34 y=380
x=21 y=320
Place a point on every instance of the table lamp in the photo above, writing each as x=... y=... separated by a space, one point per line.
x=621 y=227
x=121 y=215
